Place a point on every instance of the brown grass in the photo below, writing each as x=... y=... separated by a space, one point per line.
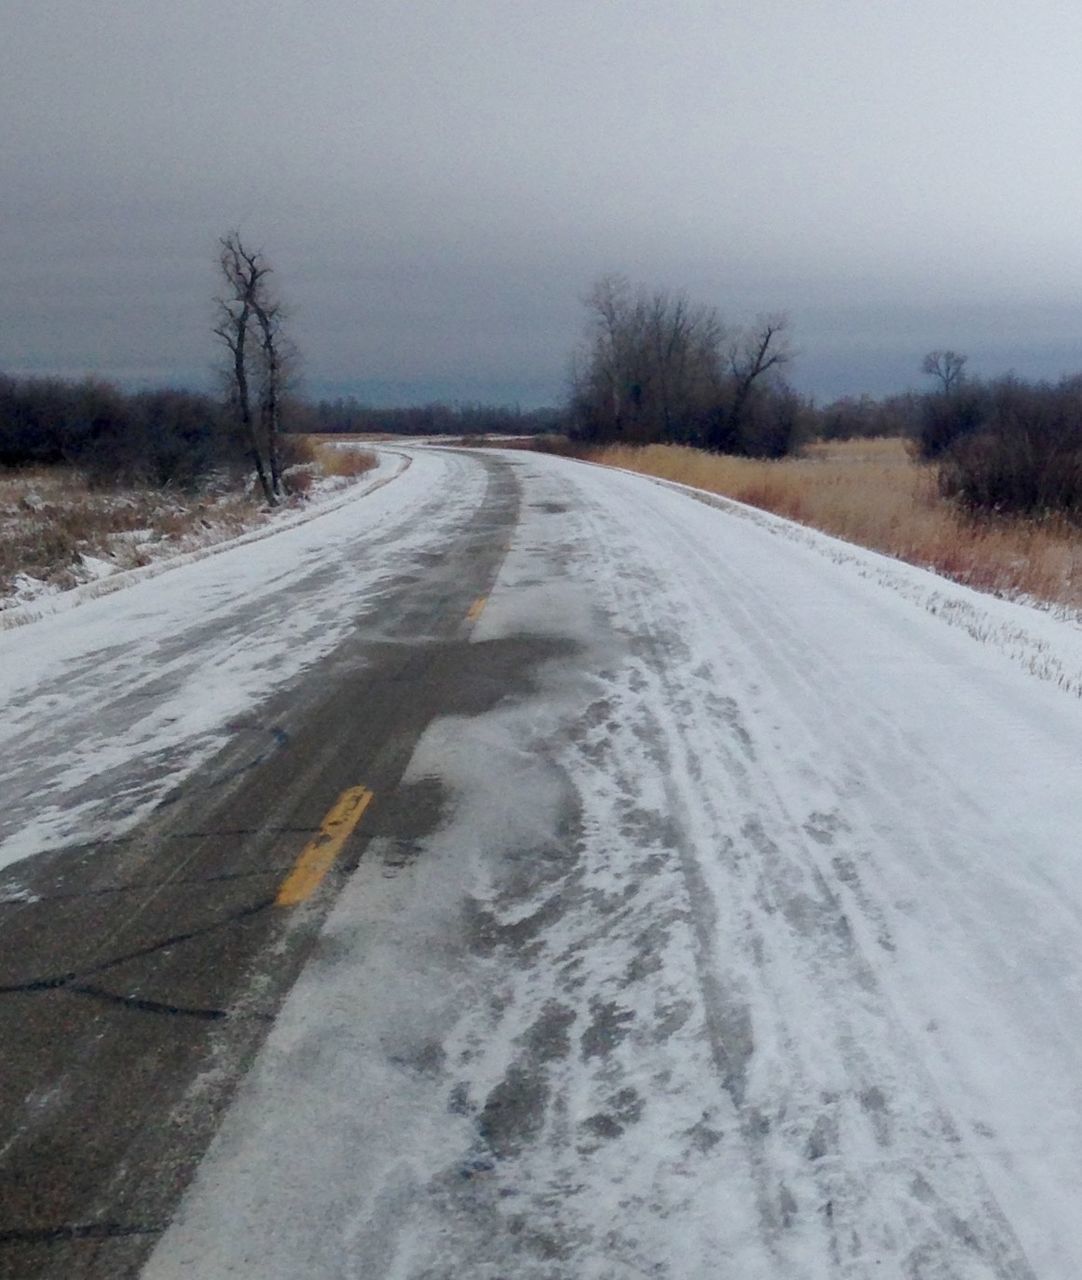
x=50 y=520
x=297 y=450
x=870 y=492
x=342 y=460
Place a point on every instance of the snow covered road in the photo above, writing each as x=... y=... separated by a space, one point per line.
x=733 y=932
x=107 y=707
x=747 y=943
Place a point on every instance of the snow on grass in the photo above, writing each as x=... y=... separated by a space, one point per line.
x=58 y=535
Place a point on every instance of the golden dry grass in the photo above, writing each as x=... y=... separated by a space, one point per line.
x=870 y=492
x=343 y=460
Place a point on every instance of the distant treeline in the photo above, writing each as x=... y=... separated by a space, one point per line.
x=656 y=367
x=350 y=415
x=176 y=437
x=157 y=438
x=854 y=417
x=1004 y=446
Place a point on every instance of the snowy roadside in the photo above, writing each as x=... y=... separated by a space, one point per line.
x=33 y=599
x=1044 y=639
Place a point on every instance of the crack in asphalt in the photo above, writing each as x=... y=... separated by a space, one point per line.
x=66 y=979
x=141 y=1004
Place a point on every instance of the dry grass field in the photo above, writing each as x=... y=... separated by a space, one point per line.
x=333 y=458
x=870 y=492
x=56 y=532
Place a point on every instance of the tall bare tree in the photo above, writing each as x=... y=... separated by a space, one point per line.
x=650 y=366
x=276 y=355
x=249 y=323
x=761 y=349
x=605 y=376
x=947 y=366
x=753 y=355
x=655 y=367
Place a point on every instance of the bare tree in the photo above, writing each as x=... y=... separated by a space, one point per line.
x=654 y=366
x=651 y=364
x=277 y=356
x=758 y=351
x=752 y=355
x=947 y=366
x=249 y=323
x=609 y=302
x=685 y=343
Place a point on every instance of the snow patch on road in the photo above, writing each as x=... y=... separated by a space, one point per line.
x=110 y=706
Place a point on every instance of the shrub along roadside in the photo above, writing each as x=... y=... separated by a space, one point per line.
x=158 y=439
x=1017 y=449
x=1008 y=447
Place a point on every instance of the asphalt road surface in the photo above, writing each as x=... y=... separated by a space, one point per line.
x=596 y=883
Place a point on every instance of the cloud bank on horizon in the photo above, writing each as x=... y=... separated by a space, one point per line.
x=439 y=184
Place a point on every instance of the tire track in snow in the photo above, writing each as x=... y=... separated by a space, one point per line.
x=961 y=1243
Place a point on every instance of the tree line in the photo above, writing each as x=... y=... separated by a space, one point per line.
x=348 y=414
x=155 y=438
x=170 y=437
x=653 y=366
x=656 y=367
x=174 y=437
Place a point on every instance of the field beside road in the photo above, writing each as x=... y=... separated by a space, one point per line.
x=58 y=531
x=871 y=492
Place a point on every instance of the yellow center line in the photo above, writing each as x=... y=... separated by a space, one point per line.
x=474 y=611
x=318 y=854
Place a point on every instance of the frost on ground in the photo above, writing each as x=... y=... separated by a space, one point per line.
x=747 y=944
x=57 y=535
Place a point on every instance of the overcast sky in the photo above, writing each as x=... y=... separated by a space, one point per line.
x=438 y=181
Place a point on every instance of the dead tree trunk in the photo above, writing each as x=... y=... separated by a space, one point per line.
x=233 y=331
x=271 y=399
x=250 y=299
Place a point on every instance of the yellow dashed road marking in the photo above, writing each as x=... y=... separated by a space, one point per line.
x=318 y=854
x=474 y=611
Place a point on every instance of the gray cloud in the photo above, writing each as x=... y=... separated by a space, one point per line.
x=438 y=183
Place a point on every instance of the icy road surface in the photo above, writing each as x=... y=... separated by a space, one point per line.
x=744 y=941
x=107 y=706
x=749 y=943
